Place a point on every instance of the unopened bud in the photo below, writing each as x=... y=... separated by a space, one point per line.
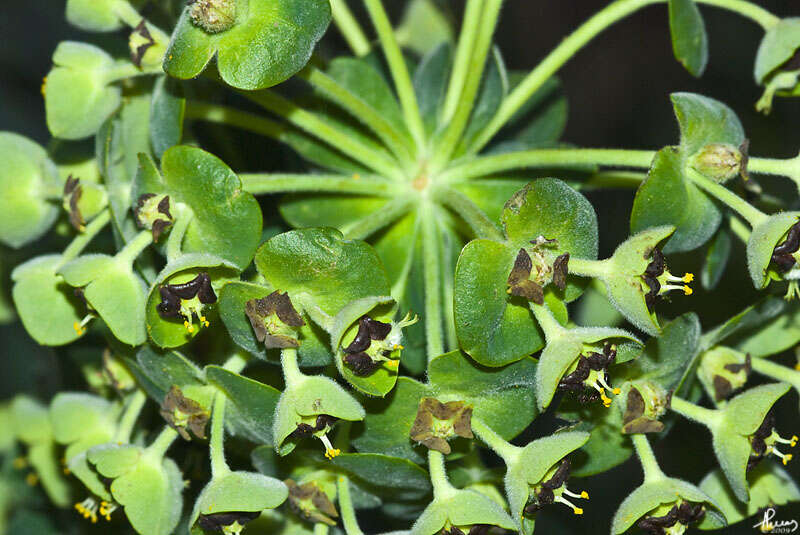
x=719 y=162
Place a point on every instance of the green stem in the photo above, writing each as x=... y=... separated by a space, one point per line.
x=578 y=39
x=750 y=213
x=549 y=324
x=183 y=217
x=596 y=269
x=448 y=283
x=129 y=417
x=264 y=184
x=777 y=371
x=135 y=247
x=321 y=529
x=488 y=435
x=433 y=290
x=79 y=243
x=364 y=113
x=291 y=371
x=739 y=229
x=613 y=180
x=463 y=207
x=399 y=70
x=131 y=17
x=349 y=28
x=472 y=83
x=125 y=69
x=436 y=469
x=461 y=62
x=322 y=130
x=236 y=362
x=701 y=415
x=346 y=508
x=568 y=158
x=368 y=225
x=789 y=167
x=219 y=467
x=652 y=471
x=161 y=444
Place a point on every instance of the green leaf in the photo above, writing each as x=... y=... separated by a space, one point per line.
x=771 y=337
x=268 y=43
x=94 y=15
x=424 y=27
x=503 y=396
x=239 y=492
x=164 y=369
x=430 y=84
x=733 y=451
x=78 y=96
x=332 y=271
x=461 y=508
x=765 y=236
x=494 y=327
x=780 y=43
x=151 y=496
x=167 y=111
x=494 y=87
x=704 y=121
x=114 y=291
x=689 y=39
x=226 y=219
x=666 y=197
x=46 y=304
x=313 y=350
x=250 y=402
x=81 y=421
x=394 y=476
x=25 y=178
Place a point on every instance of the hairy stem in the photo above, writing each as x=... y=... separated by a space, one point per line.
x=777 y=371
x=349 y=28
x=652 y=471
x=578 y=39
x=549 y=324
x=749 y=212
x=432 y=277
x=490 y=437
x=364 y=113
x=135 y=247
x=162 y=443
x=390 y=212
x=129 y=417
x=696 y=413
x=183 y=218
x=399 y=70
x=441 y=485
x=596 y=269
x=346 y=508
x=461 y=62
x=569 y=158
x=219 y=467
x=291 y=371
x=79 y=243
x=463 y=207
x=263 y=184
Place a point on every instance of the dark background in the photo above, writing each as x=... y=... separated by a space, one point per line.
x=618 y=89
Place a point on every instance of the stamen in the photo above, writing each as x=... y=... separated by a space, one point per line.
x=687 y=278
x=80 y=327
x=88 y=509
x=203 y=321
x=106 y=509
x=791 y=441
x=667 y=287
x=575 y=509
x=188 y=326
x=583 y=494
x=330 y=451
x=785 y=457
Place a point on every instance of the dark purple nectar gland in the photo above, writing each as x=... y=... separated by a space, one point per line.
x=553 y=489
x=140 y=41
x=783 y=253
x=589 y=376
x=184 y=415
x=309 y=502
x=73 y=191
x=764 y=441
x=360 y=356
x=317 y=426
x=672 y=519
x=475 y=529
x=437 y=422
x=657 y=280
x=187 y=300
x=275 y=321
x=231 y=523
x=152 y=213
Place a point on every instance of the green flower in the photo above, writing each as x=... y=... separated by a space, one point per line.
x=312 y=502
x=257 y=43
x=645 y=402
x=723 y=371
x=437 y=422
x=772 y=250
x=459 y=512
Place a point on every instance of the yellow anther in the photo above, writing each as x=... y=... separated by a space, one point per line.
x=398 y=346
x=188 y=326
x=20 y=463
x=356 y=176
x=333 y=452
x=616 y=391
x=793 y=441
x=78 y=328
x=687 y=290
x=204 y=321
x=584 y=495
x=797 y=366
x=32 y=479
x=578 y=511
x=606 y=400
x=688 y=277
x=392 y=364
x=67 y=471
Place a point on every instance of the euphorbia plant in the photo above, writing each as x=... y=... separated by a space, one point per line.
x=419 y=300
